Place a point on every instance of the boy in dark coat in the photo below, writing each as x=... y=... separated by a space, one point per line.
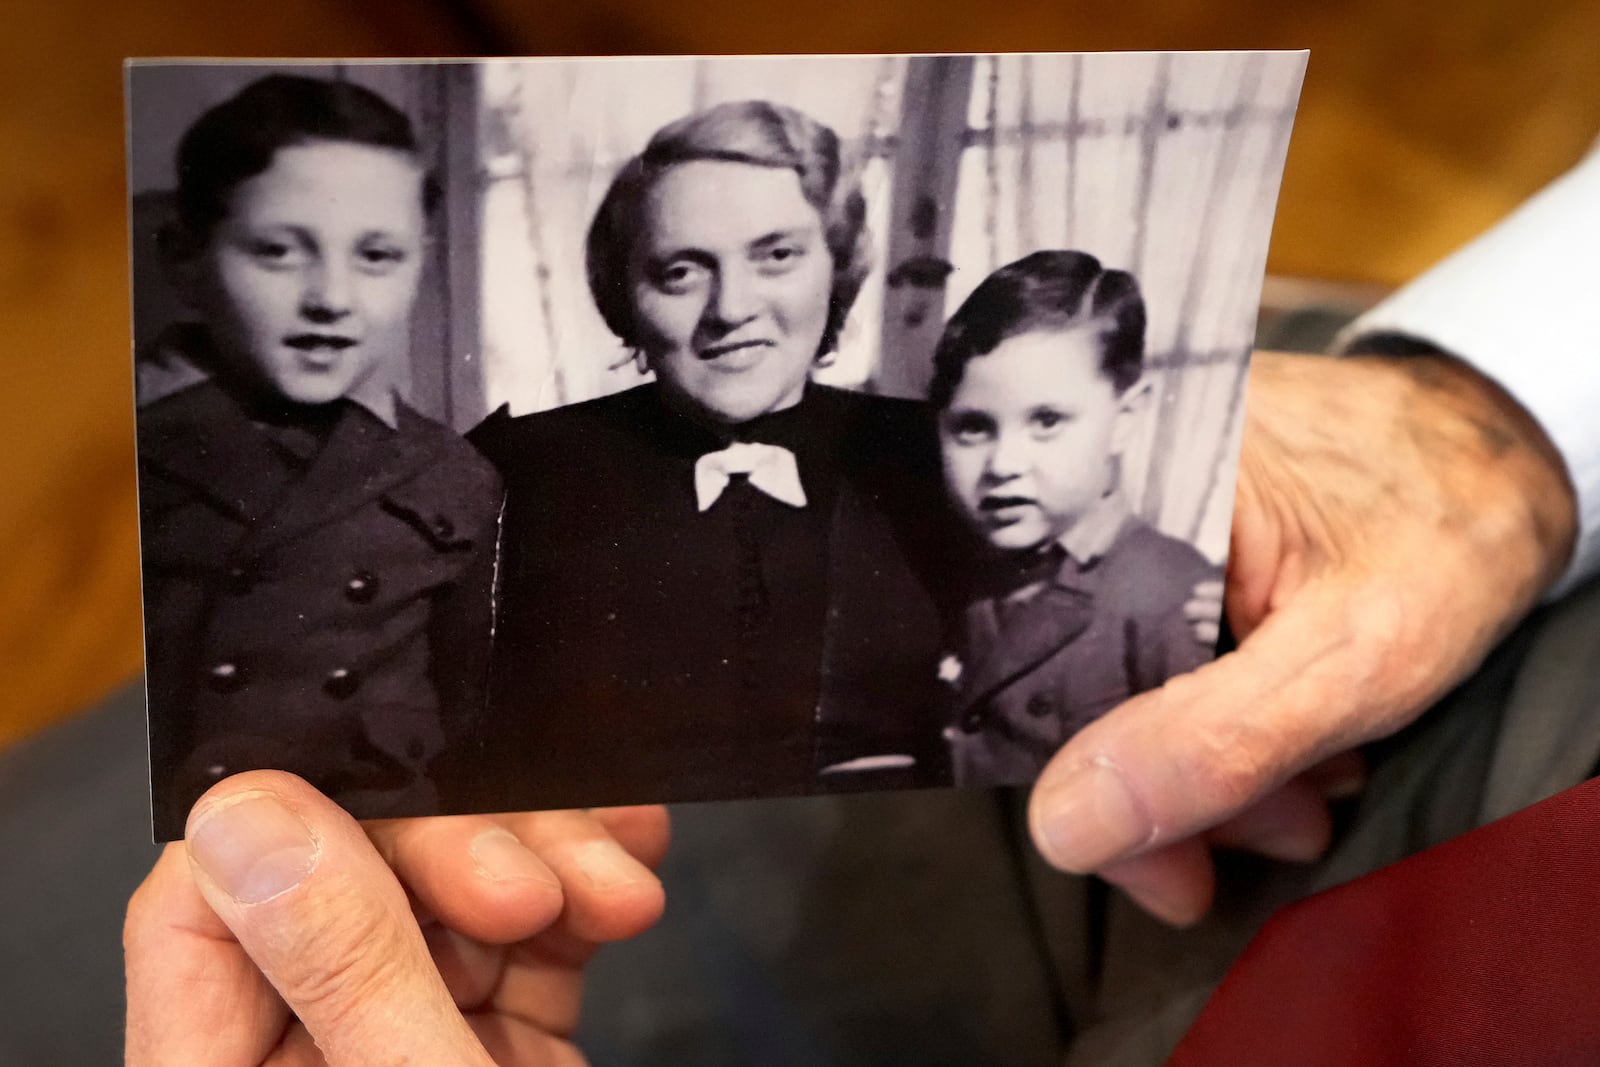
x=1078 y=604
x=318 y=556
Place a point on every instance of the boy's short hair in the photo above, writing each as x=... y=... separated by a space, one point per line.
x=762 y=134
x=238 y=138
x=1053 y=290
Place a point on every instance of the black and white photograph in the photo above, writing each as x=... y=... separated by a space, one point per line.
x=578 y=432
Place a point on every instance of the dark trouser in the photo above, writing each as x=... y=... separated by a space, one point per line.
x=918 y=928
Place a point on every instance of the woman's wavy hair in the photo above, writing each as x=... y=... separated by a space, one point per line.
x=762 y=134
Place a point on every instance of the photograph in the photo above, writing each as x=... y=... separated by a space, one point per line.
x=537 y=433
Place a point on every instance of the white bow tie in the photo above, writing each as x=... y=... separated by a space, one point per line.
x=770 y=468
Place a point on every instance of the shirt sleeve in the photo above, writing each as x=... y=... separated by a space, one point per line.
x=1522 y=305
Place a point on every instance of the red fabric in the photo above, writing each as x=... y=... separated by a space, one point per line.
x=1482 y=951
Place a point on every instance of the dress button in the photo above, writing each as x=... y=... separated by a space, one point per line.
x=972 y=721
x=362 y=587
x=415 y=748
x=341 y=684
x=226 y=678
x=1039 y=705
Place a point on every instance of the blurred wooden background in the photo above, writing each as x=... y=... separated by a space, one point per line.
x=1420 y=125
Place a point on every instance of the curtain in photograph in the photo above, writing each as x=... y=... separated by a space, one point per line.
x=1163 y=165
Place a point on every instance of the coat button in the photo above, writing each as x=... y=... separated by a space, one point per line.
x=443 y=528
x=415 y=748
x=1040 y=705
x=362 y=587
x=341 y=684
x=972 y=721
x=225 y=678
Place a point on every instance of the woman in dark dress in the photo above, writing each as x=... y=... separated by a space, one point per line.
x=713 y=585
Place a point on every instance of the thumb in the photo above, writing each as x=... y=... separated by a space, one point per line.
x=1175 y=761
x=313 y=904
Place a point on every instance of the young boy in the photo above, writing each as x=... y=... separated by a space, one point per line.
x=1077 y=603
x=317 y=555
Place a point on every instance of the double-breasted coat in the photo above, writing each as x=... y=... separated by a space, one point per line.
x=317 y=597
x=1025 y=677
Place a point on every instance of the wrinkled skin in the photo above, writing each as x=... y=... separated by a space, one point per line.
x=1394 y=518
x=428 y=941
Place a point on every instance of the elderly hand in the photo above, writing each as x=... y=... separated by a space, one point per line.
x=281 y=932
x=1394 y=518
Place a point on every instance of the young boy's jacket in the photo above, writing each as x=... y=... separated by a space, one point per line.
x=1027 y=673
x=317 y=596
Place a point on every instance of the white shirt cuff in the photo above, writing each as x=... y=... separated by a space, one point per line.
x=1522 y=305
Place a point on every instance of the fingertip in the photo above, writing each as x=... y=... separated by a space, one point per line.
x=1179 y=913
x=1292 y=824
x=473 y=874
x=599 y=858
x=516 y=894
x=644 y=906
x=501 y=858
x=1339 y=777
x=1290 y=848
x=610 y=894
x=1085 y=814
x=644 y=830
x=1176 y=884
x=626 y=911
x=1305 y=842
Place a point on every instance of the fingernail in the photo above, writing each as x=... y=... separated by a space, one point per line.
x=253 y=847
x=1179 y=914
x=606 y=865
x=1089 y=818
x=502 y=857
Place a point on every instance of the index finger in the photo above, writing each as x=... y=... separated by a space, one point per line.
x=503 y=878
